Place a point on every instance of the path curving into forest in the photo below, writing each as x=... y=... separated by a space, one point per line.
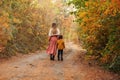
x=39 y=67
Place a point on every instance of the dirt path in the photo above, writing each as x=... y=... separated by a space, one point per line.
x=39 y=67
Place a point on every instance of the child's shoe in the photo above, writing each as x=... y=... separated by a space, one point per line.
x=50 y=56
x=58 y=59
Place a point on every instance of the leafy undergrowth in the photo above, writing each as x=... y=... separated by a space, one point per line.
x=24 y=26
x=99 y=29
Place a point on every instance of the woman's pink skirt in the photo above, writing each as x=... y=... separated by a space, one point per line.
x=52 y=48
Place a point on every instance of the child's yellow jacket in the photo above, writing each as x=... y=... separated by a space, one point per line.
x=60 y=44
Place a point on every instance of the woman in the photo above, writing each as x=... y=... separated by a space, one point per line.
x=52 y=48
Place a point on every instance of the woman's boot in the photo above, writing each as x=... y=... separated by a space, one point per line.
x=50 y=56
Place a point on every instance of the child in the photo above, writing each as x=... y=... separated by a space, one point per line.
x=60 y=46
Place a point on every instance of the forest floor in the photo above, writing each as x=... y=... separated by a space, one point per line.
x=39 y=67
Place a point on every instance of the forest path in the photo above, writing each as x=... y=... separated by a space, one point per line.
x=39 y=67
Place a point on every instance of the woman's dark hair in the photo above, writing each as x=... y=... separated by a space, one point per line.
x=60 y=37
x=54 y=24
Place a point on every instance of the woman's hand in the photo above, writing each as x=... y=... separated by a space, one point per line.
x=49 y=38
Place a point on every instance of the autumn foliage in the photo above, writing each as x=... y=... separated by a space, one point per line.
x=99 y=29
x=23 y=26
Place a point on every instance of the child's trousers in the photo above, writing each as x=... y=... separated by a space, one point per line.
x=60 y=55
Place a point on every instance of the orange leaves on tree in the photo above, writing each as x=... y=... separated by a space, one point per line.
x=117 y=2
x=4 y=27
x=1 y=2
x=82 y=14
x=15 y=20
x=91 y=16
x=100 y=30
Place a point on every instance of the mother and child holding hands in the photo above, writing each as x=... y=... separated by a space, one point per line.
x=56 y=43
